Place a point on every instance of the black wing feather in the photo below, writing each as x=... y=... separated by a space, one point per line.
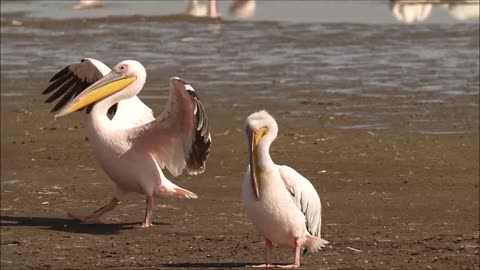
x=62 y=90
x=61 y=73
x=202 y=140
x=57 y=83
x=68 y=96
x=67 y=85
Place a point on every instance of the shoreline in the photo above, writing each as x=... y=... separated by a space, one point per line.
x=404 y=199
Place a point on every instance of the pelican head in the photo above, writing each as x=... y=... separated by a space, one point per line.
x=261 y=129
x=124 y=81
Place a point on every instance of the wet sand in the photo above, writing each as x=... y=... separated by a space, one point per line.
x=392 y=199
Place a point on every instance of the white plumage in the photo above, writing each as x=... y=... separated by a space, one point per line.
x=282 y=204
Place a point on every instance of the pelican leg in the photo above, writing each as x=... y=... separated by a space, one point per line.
x=268 y=255
x=148 y=213
x=212 y=9
x=268 y=252
x=95 y=216
x=298 y=247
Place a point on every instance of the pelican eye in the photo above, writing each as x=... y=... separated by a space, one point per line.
x=123 y=68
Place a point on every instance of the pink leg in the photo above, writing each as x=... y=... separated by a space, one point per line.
x=148 y=213
x=298 y=247
x=212 y=9
x=268 y=255
x=268 y=252
x=94 y=217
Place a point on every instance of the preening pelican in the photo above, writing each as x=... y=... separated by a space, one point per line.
x=282 y=204
x=133 y=147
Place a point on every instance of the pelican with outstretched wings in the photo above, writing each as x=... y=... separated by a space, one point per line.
x=282 y=204
x=133 y=147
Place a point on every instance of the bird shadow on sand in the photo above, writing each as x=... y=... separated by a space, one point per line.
x=231 y=265
x=68 y=225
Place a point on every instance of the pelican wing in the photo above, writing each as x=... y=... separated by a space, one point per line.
x=179 y=139
x=305 y=197
x=72 y=80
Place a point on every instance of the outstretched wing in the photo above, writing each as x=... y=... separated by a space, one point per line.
x=72 y=80
x=179 y=139
x=305 y=197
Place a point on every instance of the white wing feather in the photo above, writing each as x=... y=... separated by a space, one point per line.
x=305 y=197
x=179 y=138
x=87 y=69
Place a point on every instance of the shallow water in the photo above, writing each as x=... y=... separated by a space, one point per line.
x=368 y=72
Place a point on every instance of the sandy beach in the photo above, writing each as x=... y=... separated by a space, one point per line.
x=392 y=199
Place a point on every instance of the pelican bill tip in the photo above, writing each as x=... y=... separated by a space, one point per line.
x=58 y=115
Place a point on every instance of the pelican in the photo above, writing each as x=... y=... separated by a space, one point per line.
x=133 y=146
x=243 y=8
x=464 y=10
x=410 y=11
x=282 y=204
x=198 y=9
x=88 y=4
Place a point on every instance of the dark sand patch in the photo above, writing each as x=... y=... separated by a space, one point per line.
x=404 y=200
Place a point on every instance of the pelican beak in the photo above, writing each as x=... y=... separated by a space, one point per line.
x=253 y=141
x=106 y=86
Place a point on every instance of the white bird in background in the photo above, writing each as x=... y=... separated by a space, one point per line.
x=87 y=4
x=413 y=11
x=240 y=8
x=464 y=10
x=133 y=147
x=410 y=11
x=282 y=204
x=243 y=8
x=198 y=9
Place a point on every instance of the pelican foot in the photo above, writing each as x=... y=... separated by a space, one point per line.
x=86 y=219
x=265 y=265
x=289 y=266
x=183 y=193
x=144 y=225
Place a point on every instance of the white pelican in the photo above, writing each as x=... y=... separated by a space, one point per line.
x=464 y=10
x=243 y=8
x=408 y=11
x=88 y=4
x=133 y=147
x=282 y=204
x=198 y=9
